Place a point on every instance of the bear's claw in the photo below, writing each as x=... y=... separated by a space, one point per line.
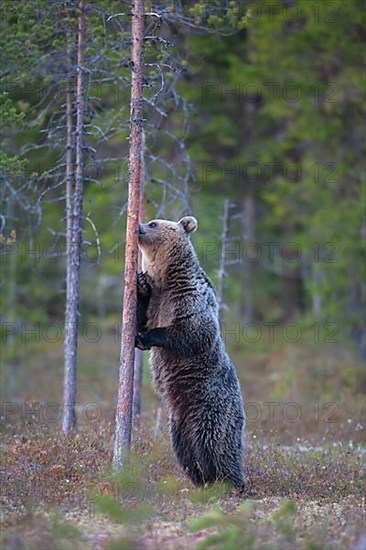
x=143 y=285
x=139 y=342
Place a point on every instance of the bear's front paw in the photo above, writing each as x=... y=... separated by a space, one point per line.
x=140 y=342
x=143 y=285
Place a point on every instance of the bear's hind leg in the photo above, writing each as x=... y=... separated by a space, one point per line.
x=217 y=464
x=184 y=453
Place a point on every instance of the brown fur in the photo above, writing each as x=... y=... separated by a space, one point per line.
x=178 y=319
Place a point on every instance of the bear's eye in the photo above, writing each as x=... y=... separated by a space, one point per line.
x=152 y=225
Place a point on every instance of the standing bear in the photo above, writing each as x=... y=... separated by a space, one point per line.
x=177 y=317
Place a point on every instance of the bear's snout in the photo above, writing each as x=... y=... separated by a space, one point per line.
x=142 y=231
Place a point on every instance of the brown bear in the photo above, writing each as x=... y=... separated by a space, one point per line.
x=177 y=318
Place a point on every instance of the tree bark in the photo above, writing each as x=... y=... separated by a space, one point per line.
x=316 y=295
x=139 y=356
x=122 y=442
x=248 y=267
x=221 y=272
x=74 y=207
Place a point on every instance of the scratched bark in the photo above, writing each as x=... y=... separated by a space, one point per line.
x=123 y=426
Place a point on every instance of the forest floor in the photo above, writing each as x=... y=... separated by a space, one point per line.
x=304 y=461
x=59 y=493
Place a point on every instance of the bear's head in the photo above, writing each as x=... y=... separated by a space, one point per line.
x=160 y=239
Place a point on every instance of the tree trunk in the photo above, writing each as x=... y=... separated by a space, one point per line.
x=248 y=267
x=221 y=271
x=316 y=295
x=139 y=356
x=74 y=208
x=293 y=291
x=122 y=440
x=12 y=317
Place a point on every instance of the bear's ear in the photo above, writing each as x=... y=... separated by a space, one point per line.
x=189 y=224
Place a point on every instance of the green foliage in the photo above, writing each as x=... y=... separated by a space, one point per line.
x=210 y=493
x=283 y=519
x=291 y=82
x=233 y=532
x=10 y=117
x=121 y=514
x=63 y=530
x=282 y=97
x=124 y=543
x=119 y=496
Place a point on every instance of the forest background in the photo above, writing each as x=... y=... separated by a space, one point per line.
x=256 y=103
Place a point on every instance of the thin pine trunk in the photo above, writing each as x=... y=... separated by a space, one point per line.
x=122 y=441
x=221 y=271
x=139 y=355
x=316 y=296
x=248 y=267
x=11 y=299
x=74 y=207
